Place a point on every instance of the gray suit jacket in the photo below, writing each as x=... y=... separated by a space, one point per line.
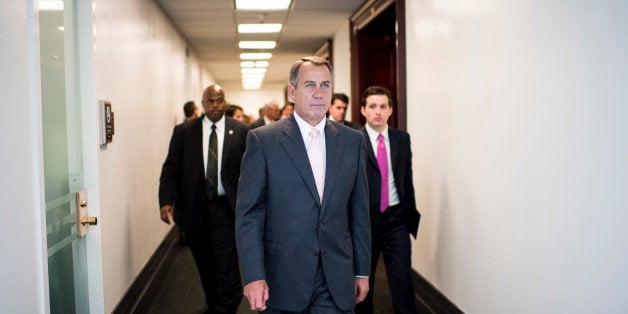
x=281 y=226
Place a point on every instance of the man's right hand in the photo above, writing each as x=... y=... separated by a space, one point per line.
x=257 y=294
x=166 y=213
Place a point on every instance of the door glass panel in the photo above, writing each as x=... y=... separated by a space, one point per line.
x=63 y=168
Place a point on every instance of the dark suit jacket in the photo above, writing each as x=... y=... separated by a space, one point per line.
x=401 y=157
x=281 y=226
x=257 y=123
x=352 y=125
x=182 y=181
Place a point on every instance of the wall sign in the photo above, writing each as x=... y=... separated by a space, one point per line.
x=106 y=122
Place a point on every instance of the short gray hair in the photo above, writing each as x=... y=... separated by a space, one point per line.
x=318 y=61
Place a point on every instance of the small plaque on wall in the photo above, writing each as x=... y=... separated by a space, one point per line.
x=106 y=122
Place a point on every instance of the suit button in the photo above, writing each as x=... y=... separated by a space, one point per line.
x=320 y=224
x=316 y=253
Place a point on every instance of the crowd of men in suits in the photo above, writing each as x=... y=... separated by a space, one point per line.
x=294 y=213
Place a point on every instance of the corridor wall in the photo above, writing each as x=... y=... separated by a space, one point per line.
x=139 y=65
x=22 y=242
x=517 y=111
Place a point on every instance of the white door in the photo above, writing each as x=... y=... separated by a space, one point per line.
x=68 y=277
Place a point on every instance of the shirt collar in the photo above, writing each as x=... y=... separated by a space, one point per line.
x=374 y=134
x=305 y=127
x=220 y=124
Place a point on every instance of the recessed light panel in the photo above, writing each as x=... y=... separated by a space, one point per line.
x=256 y=56
x=264 y=5
x=253 y=70
x=267 y=44
x=261 y=64
x=259 y=28
x=257 y=76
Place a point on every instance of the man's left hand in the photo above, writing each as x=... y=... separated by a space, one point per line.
x=361 y=289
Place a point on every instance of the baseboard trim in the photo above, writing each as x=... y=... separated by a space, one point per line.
x=432 y=299
x=134 y=299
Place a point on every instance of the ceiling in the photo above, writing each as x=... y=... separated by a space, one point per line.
x=210 y=28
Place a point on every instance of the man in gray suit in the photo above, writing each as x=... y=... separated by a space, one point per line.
x=302 y=220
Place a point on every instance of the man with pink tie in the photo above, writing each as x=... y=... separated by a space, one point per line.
x=391 y=199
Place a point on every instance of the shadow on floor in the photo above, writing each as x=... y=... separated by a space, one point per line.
x=181 y=291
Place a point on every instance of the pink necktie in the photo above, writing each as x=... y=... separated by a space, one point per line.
x=382 y=162
x=315 y=154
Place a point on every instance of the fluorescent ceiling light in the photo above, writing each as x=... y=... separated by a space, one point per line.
x=253 y=70
x=265 y=5
x=251 y=87
x=257 y=76
x=261 y=64
x=256 y=83
x=254 y=56
x=50 y=5
x=261 y=44
x=259 y=28
x=247 y=64
x=252 y=82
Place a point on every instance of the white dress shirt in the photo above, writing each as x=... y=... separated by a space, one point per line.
x=220 y=133
x=267 y=121
x=305 y=127
x=393 y=197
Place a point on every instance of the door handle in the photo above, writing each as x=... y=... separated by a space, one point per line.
x=81 y=214
x=89 y=221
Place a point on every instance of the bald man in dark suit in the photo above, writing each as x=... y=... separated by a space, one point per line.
x=198 y=186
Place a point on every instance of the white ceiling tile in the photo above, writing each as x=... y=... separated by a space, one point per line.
x=209 y=26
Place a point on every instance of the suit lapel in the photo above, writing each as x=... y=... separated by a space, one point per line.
x=197 y=139
x=394 y=150
x=226 y=143
x=370 y=154
x=334 y=147
x=293 y=144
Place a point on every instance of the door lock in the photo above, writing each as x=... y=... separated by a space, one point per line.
x=81 y=214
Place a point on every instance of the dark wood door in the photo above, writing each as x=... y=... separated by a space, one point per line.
x=376 y=60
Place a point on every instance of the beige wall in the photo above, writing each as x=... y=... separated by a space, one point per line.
x=139 y=66
x=517 y=111
x=342 y=64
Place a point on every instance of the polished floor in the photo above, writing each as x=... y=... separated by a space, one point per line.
x=180 y=290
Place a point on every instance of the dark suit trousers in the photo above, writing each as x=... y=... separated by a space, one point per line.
x=214 y=250
x=321 y=303
x=391 y=238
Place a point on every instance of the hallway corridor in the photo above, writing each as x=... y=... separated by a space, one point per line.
x=180 y=290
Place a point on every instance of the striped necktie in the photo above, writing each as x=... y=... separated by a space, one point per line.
x=212 y=165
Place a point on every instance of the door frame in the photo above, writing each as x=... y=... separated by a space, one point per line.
x=90 y=147
x=360 y=19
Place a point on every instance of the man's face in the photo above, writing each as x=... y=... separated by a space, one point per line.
x=238 y=115
x=337 y=110
x=377 y=111
x=312 y=94
x=214 y=103
x=273 y=112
